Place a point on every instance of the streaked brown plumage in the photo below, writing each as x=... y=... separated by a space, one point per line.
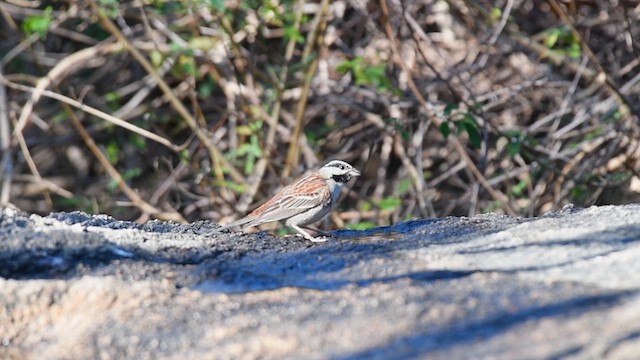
x=306 y=201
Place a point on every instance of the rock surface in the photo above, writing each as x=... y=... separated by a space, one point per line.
x=566 y=285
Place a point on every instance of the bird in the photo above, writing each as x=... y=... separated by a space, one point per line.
x=305 y=201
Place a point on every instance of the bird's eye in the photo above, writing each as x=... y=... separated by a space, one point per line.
x=341 y=167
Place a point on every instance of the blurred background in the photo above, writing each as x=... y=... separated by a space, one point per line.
x=201 y=109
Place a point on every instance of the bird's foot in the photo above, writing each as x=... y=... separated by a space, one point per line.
x=318 y=239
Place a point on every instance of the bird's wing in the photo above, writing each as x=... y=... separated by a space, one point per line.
x=309 y=192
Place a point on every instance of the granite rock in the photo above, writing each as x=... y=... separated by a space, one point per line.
x=564 y=285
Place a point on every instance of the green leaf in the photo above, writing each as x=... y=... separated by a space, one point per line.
x=404 y=186
x=474 y=136
x=204 y=43
x=185 y=156
x=514 y=148
x=366 y=74
x=187 y=65
x=552 y=38
x=405 y=135
x=518 y=189
x=139 y=141
x=579 y=193
x=131 y=173
x=38 y=24
x=230 y=185
x=109 y=8
x=256 y=125
x=445 y=130
x=496 y=13
x=113 y=152
x=205 y=89
x=244 y=130
x=350 y=65
x=292 y=33
x=575 y=51
x=471 y=127
x=156 y=58
x=112 y=185
x=449 y=109
x=218 y=5
x=363 y=225
x=252 y=151
x=112 y=97
x=390 y=203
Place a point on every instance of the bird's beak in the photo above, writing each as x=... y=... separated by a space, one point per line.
x=355 y=172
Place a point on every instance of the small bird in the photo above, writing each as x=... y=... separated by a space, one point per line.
x=306 y=201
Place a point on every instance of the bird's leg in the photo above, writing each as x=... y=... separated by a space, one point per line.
x=306 y=235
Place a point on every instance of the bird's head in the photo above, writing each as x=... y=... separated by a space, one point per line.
x=339 y=171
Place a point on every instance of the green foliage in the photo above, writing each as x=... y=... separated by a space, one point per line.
x=579 y=193
x=251 y=151
x=204 y=43
x=238 y=188
x=113 y=100
x=612 y=117
x=217 y=5
x=366 y=206
x=126 y=176
x=463 y=122
x=60 y=117
x=109 y=8
x=113 y=152
x=404 y=186
x=390 y=203
x=470 y=125
x=562 y=40
x=185 y=156
x=38 y=24
x=445 y=129
x=156 y=58
x=318 y=133
x=363 y=225
x=514 y=146
x=517 y=141
x=367 y=74
x=518 y=189
x=76 y=203
x=399 y=127
x=496 y=14
x=132 y=173
x=492 y=206
x=186 y=66
x=206 y=87
x=291 y=32
x=139 y=142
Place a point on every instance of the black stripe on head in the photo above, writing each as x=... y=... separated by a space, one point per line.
x=338 y=164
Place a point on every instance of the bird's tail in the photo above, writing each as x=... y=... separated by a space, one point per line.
x=241 y=222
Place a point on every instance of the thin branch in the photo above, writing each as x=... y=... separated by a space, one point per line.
x=497 y=195
x=135 y=198
x=315 y=40
x=6 y=163
x=214 y=152
x=272 y=119
x=93 y=111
